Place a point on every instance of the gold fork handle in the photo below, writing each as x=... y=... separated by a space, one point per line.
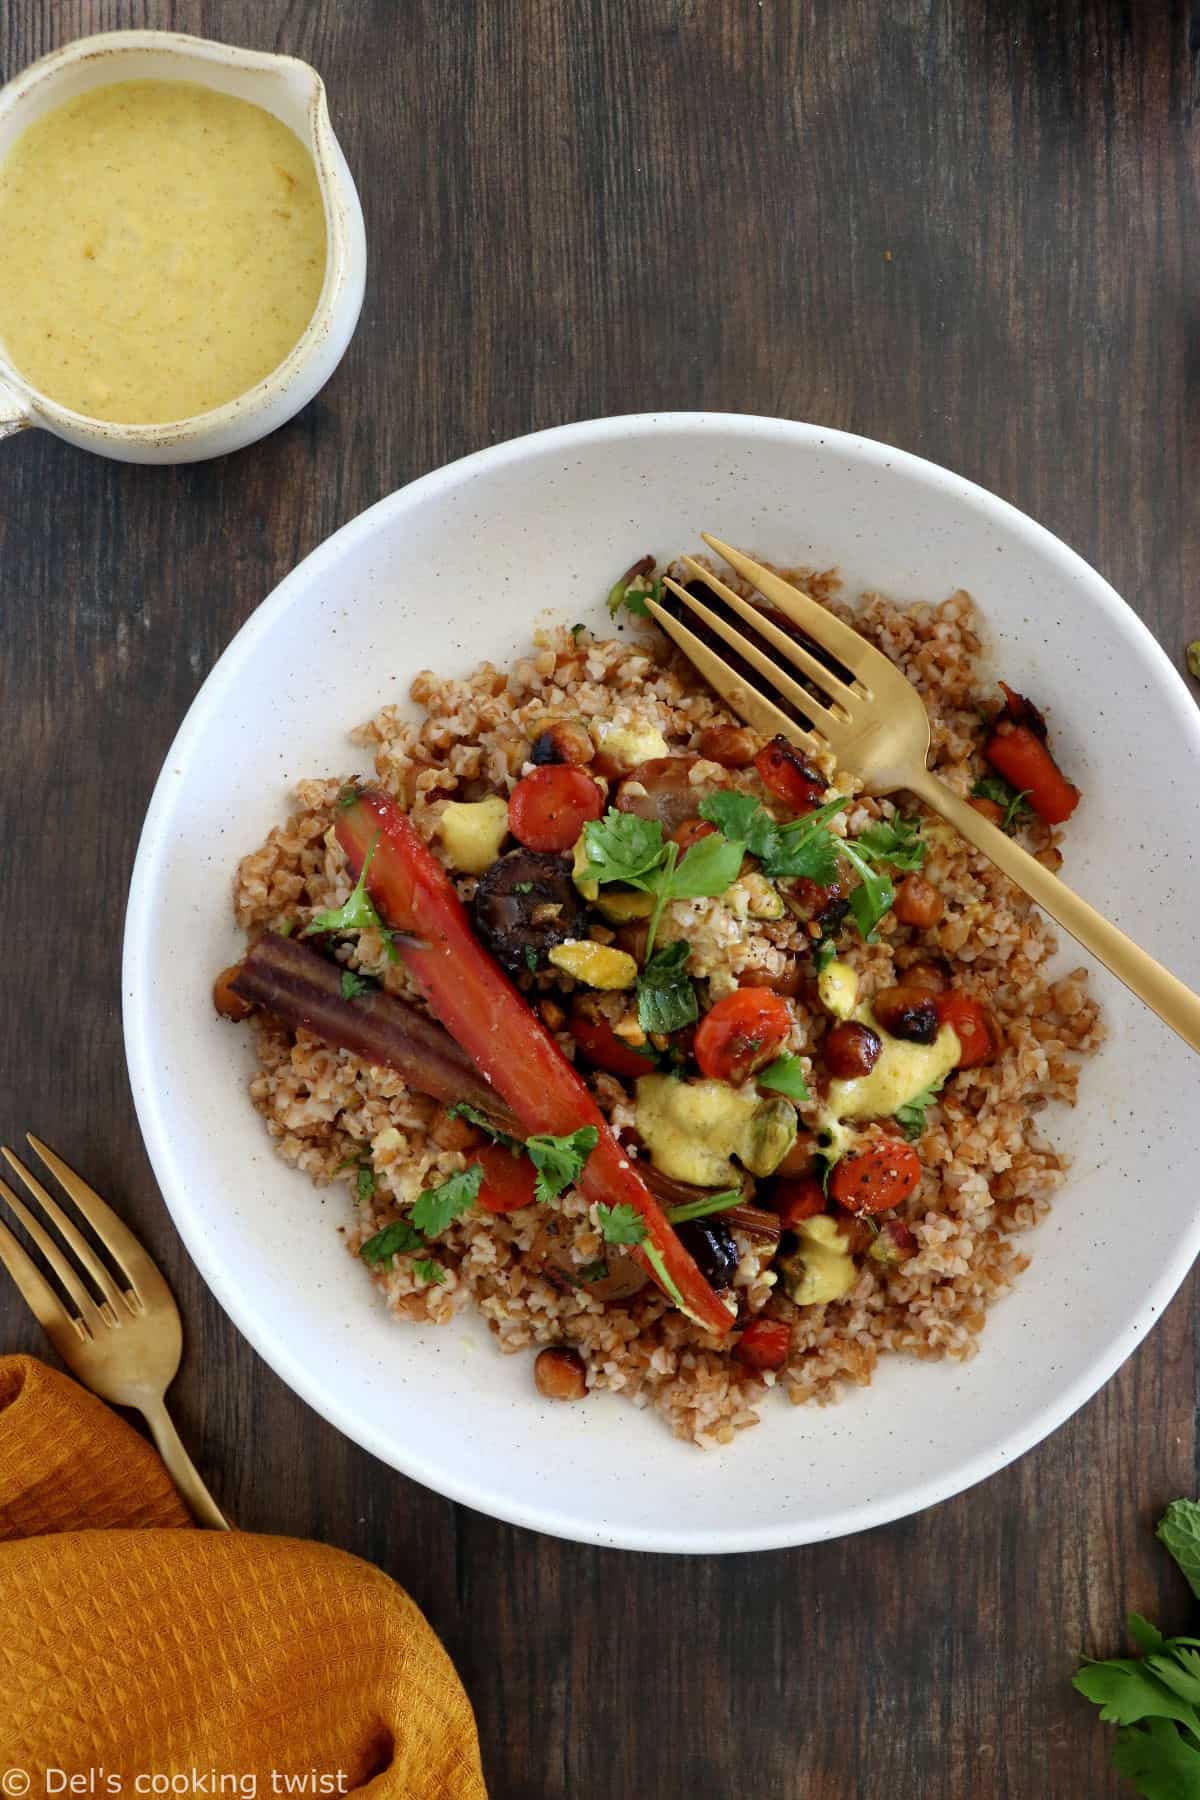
x=182 y=1470
x=1174 y=1003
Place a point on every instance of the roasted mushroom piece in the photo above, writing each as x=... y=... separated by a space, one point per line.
x=525 y=904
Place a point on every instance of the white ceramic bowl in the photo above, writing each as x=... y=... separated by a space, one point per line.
x=295 y=93
x=455 y=568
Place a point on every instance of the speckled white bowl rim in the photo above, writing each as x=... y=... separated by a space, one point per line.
x=604 y=1472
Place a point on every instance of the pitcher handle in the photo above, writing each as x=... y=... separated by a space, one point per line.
x=14 y=414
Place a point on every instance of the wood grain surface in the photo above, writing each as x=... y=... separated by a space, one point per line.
x=968 y=227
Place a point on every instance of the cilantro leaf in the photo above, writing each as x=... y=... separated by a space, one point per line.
x=462 y=1109
x=621 y=1224
x=358 y=913
x=912 y=1114
x=353 y=985
x=731 y=813
x=622 y=847
x=396 y=1239
x=711 y=865
x=1179 y=1530
x=428 y=1271
x=700 y=1209
x=364 y=1181
x=1164 y=1765
x=438 y=1207
x=632 y=595
x=784 y=1076
x=666 y=996
x=894 y=841
x=824 y=954
x=559 y=1160
x=531 y=959
x=874 y=895
x=1003 y=793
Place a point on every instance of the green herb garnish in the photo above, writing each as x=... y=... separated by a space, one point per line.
x=353 y=985
x=358 y=914
x=462 y=1109
x=874 y=895
x=396 y=1239
x=1003 y=793
x=896 y=841
x=824 y=954
x=632 y=595
x=784 y=1076
x=666 y=996
x=428 y=1271
x=803 y=847
x=700 y=1209
x=1155 y=1697
x=621 y=1224
x=559 y=1160
x=531 y=959
x=438 y=1207
x=623 y=847
x=522 y=887
x=912 y=1114
x=364 y=1181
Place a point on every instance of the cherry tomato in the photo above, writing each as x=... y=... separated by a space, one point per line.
x=508 y=1180
x=764 y=1344
x=742 y=1033
x=690 y=832
x=790 y=776
x=973 y=1026
x=599 y=1045
x=549 y=808
x=796 y=1198
x=877 y=1178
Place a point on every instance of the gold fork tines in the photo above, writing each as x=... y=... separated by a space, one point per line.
x=123 y=1343
x=879 y=731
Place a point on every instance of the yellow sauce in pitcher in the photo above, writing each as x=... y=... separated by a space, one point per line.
x=162 y=248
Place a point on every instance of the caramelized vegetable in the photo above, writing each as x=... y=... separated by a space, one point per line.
x=509 y=1043
x=304 y=990
x=549 y=807
x=788 y=774
x=877 y=1178
x=973 y=1026
x=1017 y=749
x=764 y=1344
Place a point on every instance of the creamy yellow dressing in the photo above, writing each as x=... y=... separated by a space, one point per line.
x=162 y=248
x=902 y=1072
x=693 y=1128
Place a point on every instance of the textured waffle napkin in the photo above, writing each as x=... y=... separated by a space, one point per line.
x=134 y=1645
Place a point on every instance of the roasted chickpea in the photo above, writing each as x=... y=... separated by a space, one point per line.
x=851 y=1050
x=730 y=745
x=559 y=1374
x=918 y=903
x=908 y=1013
x=565 y=741
x=788 y=982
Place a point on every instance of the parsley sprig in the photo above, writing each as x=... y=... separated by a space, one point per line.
x=358 y=913
x=911 y=1116
x=559 y=1160
x=666 y=997
x=1155 y=1697
x=623 y=847
x=1016 y=808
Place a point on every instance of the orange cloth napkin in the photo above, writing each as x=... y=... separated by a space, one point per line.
x=132 y=1644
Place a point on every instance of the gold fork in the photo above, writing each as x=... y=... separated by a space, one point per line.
x=877 y=728
x=125 y=1346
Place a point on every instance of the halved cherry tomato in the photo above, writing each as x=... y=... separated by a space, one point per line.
x=764 y=1344
x=743 y=1032
x=796 y=1198
x=599 y=1045
x=973 y=1026
x=508 y=1180
x=690 y=832
x=877 y=1178
x=790 y=776
x=549 y=807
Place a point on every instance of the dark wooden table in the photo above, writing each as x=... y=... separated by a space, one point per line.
x=969 y=229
